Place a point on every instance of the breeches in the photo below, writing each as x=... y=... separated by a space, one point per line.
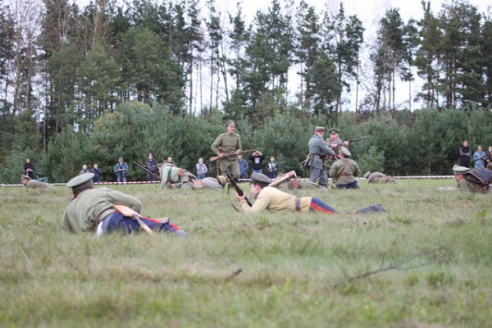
x=116 y=222
x=232 y=166
x=317 y=205
x=318 y=173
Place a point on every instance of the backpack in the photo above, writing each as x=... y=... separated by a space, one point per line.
x=480 y=176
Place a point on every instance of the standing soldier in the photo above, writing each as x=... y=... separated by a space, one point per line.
x=318 y=149
x=344 y=171
x=228 y=143
x=335 y=144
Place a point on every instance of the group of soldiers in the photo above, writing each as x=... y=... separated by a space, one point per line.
x=105 y=211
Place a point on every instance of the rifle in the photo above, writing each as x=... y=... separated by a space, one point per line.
x=143 y=168
x=289 y=175
x=239 y=191
x=213 y=159
x=359 y=139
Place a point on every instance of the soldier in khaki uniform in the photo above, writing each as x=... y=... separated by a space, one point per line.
x=378 y=177
x=34 y=184
x=228 y=143
x=92 y=210
x=344 y=171
x=335 y=144
x=463 y=184
x=274 y=200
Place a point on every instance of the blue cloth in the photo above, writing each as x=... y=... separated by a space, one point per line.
x=116 y=222
x=352 y=185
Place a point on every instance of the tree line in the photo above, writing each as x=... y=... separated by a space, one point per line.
x=413 y=143
x=66 y=69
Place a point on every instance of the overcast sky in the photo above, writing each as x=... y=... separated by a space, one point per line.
x=368 y=11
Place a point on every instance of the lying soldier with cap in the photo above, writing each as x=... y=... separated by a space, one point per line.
x=378 y=177
x=34 y=184
x=463 y=184
x=274 y=200
x=95 y=210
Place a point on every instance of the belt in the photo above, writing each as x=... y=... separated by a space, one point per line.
x=298 y=204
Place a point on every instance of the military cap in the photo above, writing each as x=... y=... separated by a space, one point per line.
x=230 y=122
x=334 y=131
x=26 y=177
x=345 y=151
x=260 y=179
x=460 y=169
x=80 y=181
x=320 y=128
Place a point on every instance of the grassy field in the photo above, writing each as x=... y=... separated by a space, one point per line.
x=265 y=270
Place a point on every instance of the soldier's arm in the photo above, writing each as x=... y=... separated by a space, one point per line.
x=119 y=198
x=215 y=146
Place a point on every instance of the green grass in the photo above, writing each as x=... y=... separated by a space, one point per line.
x=293 y=267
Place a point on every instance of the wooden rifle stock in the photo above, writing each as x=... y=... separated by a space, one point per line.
x=239 y=191
x=213 y=159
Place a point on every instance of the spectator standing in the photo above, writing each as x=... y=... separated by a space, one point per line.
x=479 y=157
x=151 y=167
x=201 y=169
x=489 y=158
x=121 y=169
x=465 y=154
x=28 y=168
x=256 y=159
x=273 y=168
x=84 y=169
x=243 y=167
x=97 y=173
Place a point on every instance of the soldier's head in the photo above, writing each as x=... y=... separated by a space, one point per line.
x=319 y=130
x=344 y=152
x=459 y=172
x=25 y=179
x=231 y=127
x=258 y=182
x=333 y=134
x=81 y=183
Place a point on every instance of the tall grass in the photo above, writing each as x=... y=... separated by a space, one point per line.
x=264 y=270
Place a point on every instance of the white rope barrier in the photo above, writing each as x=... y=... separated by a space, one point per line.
x=240 y=180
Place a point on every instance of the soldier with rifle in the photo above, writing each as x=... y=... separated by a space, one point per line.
x=274 y=200
x=227 y=146
x=318 y=150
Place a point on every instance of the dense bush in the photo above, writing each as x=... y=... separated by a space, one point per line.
x=426 y=142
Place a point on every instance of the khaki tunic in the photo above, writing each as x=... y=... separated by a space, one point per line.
x=84 y=212
x=377 y=177
x=228 y=143
x=467 y=186
x=344 y=171
x=171 y=174
x=274 y=200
